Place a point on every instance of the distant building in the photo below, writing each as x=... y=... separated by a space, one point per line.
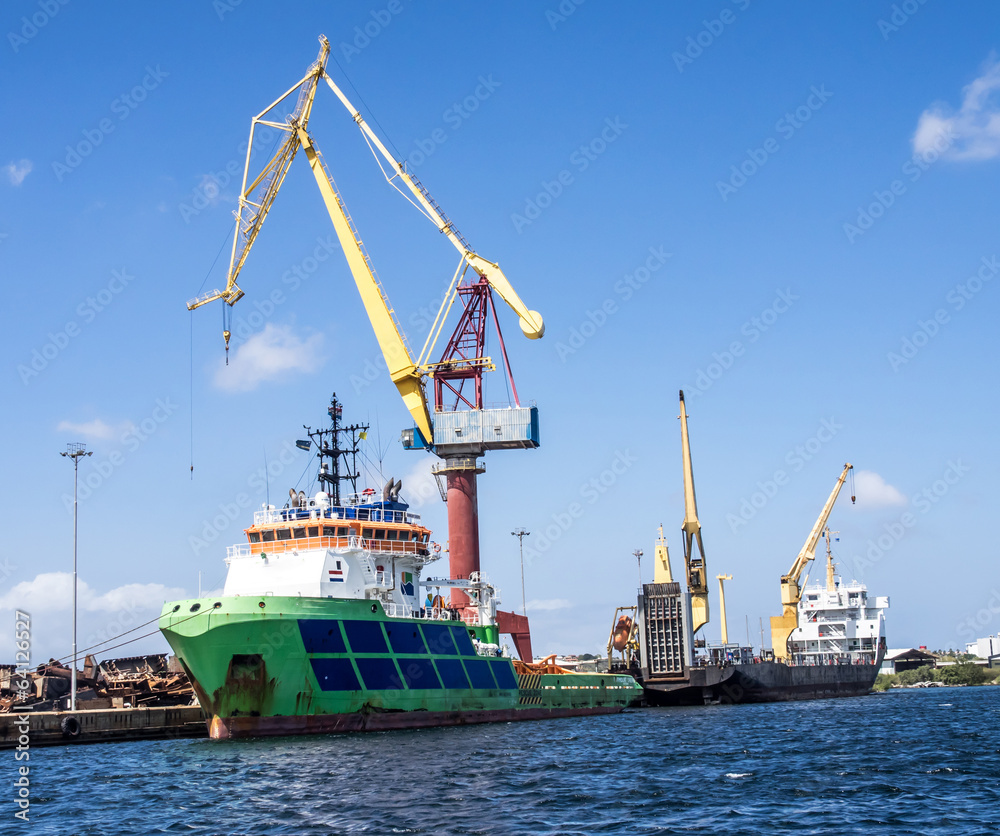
x=906 y=659
x=984 y=648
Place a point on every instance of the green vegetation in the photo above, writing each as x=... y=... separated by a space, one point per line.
x=963 y=673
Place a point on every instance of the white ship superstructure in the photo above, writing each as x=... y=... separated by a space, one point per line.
x=838 y=622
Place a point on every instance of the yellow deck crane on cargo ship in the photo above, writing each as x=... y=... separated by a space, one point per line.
x=791 y=592
x=697 y=579
x=461 y=435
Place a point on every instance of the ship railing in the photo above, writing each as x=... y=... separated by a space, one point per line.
x=333 y=512
x=237 y=551
x=409 y=548
x=445 y=614
x=394 y=610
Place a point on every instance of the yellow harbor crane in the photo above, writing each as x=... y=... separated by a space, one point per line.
x=258 y=195
x=791 y=592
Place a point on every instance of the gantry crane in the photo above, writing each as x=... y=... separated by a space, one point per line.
x=791 y=592
x=697 y=580
x=457 y=437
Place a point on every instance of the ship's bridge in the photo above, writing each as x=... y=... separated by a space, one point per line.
x=379 y=527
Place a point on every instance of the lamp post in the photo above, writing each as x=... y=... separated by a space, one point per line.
x=74 y=452
x=637 y=554
x=520 y=534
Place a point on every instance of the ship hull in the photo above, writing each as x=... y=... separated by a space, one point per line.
x=761 y=682
x=283 y=665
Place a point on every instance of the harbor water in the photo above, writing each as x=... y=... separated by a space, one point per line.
x=905 y=762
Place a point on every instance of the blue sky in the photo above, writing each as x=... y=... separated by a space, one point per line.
x=786 y=210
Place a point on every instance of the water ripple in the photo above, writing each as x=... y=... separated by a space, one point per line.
x=896 y=764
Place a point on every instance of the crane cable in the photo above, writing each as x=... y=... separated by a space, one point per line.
x=82 y=654
x=191 y=347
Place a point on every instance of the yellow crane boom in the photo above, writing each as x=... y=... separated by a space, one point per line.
x=697 y=580
x=791 y=593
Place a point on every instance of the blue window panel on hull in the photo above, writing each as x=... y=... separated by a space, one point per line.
x=452 y=673
x=321 y=636
x=440 y=640
x=462 y=641
x=504 y=673
x=380 y=674
x=419 y=674
x=335 y=675
x=365 y=636
x=405 y=638
x=479 y=673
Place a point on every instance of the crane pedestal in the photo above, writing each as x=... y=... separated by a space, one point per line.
x=463 y=519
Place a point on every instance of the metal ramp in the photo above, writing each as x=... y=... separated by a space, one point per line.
x=663 y=630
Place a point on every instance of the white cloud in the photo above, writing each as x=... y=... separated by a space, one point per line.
x=973 y=131
x=269 y=355
x=16 y=172
x=548 y=604
x=53 y=592
x=92 y=429
x=420 y=485
x=874 y=492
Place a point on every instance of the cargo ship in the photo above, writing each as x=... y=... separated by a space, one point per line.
x=829 y=640
x=327 y=623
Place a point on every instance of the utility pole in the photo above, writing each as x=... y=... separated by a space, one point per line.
x=638 y=561
x=520 y=534
x=74 y=452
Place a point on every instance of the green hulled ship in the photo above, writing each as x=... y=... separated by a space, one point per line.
x=327 y=624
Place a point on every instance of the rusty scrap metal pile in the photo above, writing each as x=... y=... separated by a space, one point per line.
x=114 y=683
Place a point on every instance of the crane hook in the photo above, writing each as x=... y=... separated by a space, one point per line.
x=226 y=335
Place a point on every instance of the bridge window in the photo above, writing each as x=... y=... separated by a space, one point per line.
x=329 y=531
x=284 y=534
x=343 y=531
x=404 y=535
x=267 y=536
x=393 y=534
x=379 y=533
x=366 y=533
x=299 y=532
x=314 y=531
x=254 y=537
